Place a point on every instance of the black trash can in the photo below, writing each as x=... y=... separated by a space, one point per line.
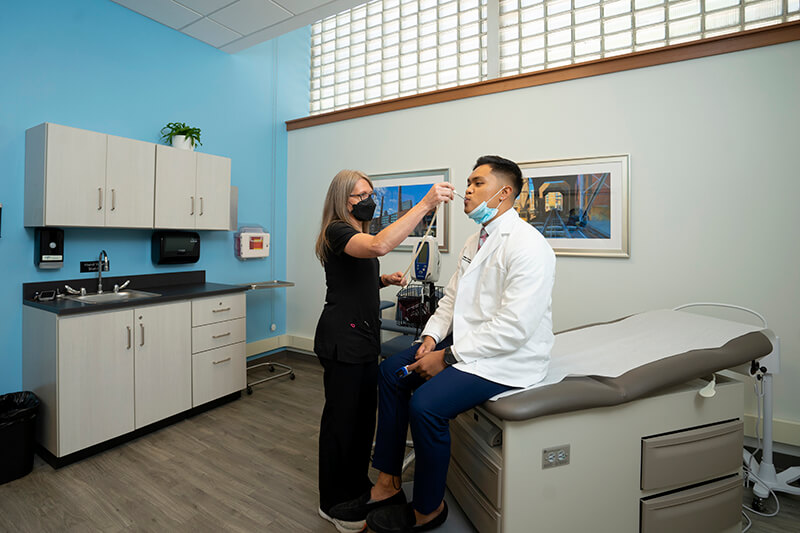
x=18 y=412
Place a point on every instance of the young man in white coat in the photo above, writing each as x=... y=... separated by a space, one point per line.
x=491 y=332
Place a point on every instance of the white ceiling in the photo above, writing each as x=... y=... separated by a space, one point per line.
x=233 y=25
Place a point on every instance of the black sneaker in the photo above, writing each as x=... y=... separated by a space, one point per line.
x=401 y=519
x=358 y=508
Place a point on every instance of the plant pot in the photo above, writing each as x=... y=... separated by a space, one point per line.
x=182 y=142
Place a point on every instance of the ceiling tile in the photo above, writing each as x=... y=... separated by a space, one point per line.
x=301 y=6
x=166 y=12
x=210 y=32
x=205 y=7
x=248 y=16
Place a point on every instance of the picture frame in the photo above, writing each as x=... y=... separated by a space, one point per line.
x=397 y=192
x=580 y=205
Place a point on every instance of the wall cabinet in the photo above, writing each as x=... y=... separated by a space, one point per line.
x=102 y=375
x=192 y=190
x=81 y=178
x=76 y=177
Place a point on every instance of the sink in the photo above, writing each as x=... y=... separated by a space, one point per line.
x=110 y=297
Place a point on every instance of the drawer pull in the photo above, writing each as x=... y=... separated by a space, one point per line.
x=223 y=361
x=220 y=310
x=220 y=335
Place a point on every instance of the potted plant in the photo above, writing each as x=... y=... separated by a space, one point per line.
x=179 y=135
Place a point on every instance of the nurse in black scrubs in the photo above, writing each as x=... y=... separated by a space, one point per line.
x=347 y=339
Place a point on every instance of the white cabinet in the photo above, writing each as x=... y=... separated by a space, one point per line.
x=218 y=347
x=102 y=375
x=163 y=366
x=130 y=183
x=95 y=379
x=192 y=190
x=76 y=177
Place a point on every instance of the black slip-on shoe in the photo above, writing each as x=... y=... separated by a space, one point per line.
x=358 y=508
x=401 y=519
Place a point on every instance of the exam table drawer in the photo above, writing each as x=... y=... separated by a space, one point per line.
x=475 y=462
x=217 y=308
x=480 y=512
x=219 y=372
x=710 y=507
x=691 y=456
x=217 y=335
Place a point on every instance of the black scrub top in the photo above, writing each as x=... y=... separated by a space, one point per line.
x=349 y=327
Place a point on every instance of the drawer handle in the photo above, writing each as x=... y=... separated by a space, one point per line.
x=220 y=335
x=129 y=337
x=223 y=361
x=201 y=206
x=192 y=197
x=220 y=310
x=113 y=199
x=142 y=342
x=99 y=198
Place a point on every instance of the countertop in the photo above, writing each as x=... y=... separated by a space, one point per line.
x=170 y=287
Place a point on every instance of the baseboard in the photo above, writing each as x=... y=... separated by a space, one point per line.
x=783 y=431
x=281 y=342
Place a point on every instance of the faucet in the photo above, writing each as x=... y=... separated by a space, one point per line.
x=102 y=262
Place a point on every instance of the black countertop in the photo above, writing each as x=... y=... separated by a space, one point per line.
x=170 y=287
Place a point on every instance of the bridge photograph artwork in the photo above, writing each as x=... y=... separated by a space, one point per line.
x=396 y=193
x=579 y=205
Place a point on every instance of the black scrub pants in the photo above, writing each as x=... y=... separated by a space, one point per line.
x=346 y=430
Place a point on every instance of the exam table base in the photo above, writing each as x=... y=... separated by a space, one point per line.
x=506 y=489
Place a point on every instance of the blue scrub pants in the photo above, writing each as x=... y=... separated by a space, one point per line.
x=428 y=410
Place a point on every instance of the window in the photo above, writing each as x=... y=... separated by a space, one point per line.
x=391 y=48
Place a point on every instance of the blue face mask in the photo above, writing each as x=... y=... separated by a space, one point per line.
x=483 y=213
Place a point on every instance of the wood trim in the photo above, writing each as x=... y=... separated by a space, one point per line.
x=781 y=33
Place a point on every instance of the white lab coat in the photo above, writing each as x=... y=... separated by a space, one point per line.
x=498 y=304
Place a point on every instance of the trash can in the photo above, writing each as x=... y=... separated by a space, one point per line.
x=18 y=411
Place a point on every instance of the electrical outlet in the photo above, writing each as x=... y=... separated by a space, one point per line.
x=555 y=456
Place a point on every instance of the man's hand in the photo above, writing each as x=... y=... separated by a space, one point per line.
x=428 y=344
x=429 y=364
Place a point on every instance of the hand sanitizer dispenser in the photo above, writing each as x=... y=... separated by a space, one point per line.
x=49 y=248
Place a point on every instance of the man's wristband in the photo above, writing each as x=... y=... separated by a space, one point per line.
x=381 y=284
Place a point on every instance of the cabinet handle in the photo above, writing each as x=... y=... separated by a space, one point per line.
x=129 y=337
x=142 y=342
x=99 y=198
x=220 y=335
x=223 y=361
x=220 y=310
x=192 y=197
x=201 y=206
x=113 y=199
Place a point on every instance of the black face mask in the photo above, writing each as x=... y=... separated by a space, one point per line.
x=364 y=210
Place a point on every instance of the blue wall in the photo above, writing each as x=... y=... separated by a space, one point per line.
x=95 y=65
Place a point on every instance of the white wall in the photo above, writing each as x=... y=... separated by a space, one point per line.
x=714 y=174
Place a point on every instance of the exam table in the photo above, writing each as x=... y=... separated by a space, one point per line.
x=638 y=451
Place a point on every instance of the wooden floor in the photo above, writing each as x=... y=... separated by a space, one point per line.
x=250 y=465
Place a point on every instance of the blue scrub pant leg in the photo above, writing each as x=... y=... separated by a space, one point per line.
x=428 y=411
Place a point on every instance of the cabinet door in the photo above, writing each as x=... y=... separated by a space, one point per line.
x=130 y=183
x=95 y=379
x=163 y=367
x=213 y=191
x=75 y=177
x=176 y=202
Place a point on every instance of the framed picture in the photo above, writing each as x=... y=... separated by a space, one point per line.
x=396 y=193
x=579 y=205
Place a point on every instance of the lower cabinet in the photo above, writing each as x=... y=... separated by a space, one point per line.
x=105 y=374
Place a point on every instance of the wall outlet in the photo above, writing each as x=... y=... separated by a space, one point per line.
x=555 y=456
